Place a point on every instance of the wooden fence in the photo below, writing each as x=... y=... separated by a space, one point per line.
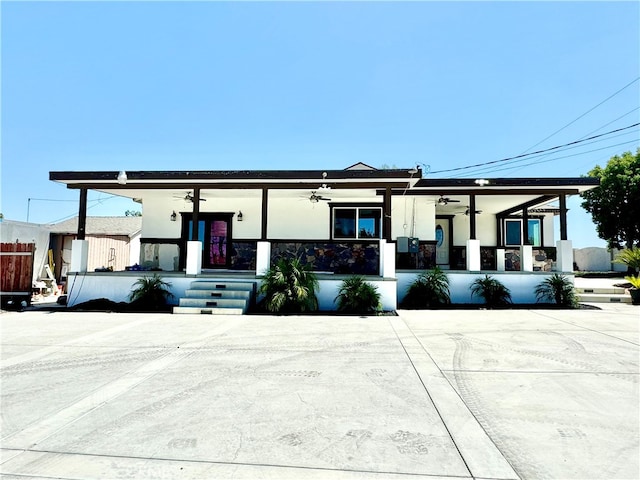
x=16 y=269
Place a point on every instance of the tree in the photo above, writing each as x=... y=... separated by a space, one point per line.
x=132 y=213
x=290 y=287
x=615 y=204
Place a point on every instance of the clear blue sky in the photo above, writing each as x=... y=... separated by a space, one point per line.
x=304 y=85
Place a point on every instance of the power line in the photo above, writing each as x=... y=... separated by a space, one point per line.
x=584 y=114
x=537 y=152
x=560 y=158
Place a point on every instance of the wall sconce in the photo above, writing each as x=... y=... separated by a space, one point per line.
x=122 y=177
x=174 y=215
x=239 y=216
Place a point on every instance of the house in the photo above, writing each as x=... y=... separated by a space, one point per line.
x=386 y=224
x=113 y=243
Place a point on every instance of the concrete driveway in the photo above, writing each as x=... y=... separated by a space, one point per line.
x=450 y=394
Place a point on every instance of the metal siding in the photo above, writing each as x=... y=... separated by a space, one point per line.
x=101 y=255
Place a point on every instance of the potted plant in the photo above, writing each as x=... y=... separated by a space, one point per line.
x=634 y=291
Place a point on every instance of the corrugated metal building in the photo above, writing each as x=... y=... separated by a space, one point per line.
x=114 y=242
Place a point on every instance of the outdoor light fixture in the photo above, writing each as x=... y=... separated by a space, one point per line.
x=482 y=182
x=174 y=215
x=239 y=216
x=122 y=177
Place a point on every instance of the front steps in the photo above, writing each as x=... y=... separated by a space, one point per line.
x=217 y=298
x=603 y=295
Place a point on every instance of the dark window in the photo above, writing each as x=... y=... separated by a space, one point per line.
x=357 y=222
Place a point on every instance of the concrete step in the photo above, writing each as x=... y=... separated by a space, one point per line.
x=213 y=302
x=601 y=290
x=208 y=311
x=604 y=298
x=213 y=294
x=222 y=285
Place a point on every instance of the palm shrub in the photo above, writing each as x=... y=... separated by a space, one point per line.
x=150 y=293
x=493 y=291
x=358 y=296
x=289 y=286
x=559 y=289
x=631 y=258
x=429 y=290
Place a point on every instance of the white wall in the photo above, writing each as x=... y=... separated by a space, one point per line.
x=485 y=229
x=548 y=231
x=522 y=286
x=594 y=259
x=298 y=219
x=413 y=216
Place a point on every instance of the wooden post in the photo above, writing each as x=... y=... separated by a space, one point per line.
x=82 y=215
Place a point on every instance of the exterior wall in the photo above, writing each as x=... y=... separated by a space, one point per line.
x=522 y=285
x=413 y=216
x=298 y=219
x=108 y=251
x=485 y=229
x=548 y=229
x=594 y=259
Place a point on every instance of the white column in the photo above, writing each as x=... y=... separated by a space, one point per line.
x=263 y=257
x=500 y=259
x=194 y=258
x=526 y=258
x=564 y=254
x=387 y=259
x=79 y=256
x=473 y=255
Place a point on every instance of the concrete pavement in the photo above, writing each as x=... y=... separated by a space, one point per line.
x=428 y=394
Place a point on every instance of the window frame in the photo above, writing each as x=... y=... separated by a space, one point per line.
x=357 y=207
x=519 y=220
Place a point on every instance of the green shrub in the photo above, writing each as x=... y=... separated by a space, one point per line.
x=358 y=296
x=429 y=290
x=150 y=293
x=630 y=257
x=559 y=289
x=289 y=287
x=494 y=293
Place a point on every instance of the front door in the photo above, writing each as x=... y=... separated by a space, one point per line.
x=443 y=241
x=214 y=231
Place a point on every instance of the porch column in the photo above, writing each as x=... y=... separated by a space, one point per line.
x=473 y=255
x=472 y=218
x=194 y=246
x=526 y=258
x=80 y=246
x=386 y=221
x=564 y=256
x=500 y=266
x=265 y=212
x=563 y=219
x=82 y=215
x=263 y=257
x=387 y=259
x=79 y=256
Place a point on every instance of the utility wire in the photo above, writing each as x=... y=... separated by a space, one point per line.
x=544 y=155
x=584 y=114
x=537 y=152
x=559 y=158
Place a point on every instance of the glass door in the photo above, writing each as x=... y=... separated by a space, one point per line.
x=214 y=231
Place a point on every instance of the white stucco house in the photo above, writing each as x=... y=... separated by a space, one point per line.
x=386 y=224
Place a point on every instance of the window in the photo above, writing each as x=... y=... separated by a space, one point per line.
x=513 y=232
x=357 y=222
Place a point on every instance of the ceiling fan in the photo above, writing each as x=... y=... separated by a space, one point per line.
x=188 y=197
x=315 y=198
x=442 y=201
x=467 y=212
